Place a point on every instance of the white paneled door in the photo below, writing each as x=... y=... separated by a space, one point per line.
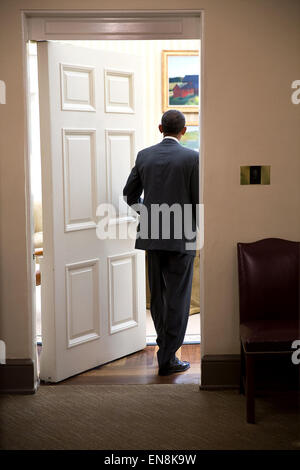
x=93 y=290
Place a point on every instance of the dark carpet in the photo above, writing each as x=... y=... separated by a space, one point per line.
x=154 y=417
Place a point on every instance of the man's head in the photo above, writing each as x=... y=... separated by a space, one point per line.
x=173 y=124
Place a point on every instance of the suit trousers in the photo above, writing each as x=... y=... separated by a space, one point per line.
x=170 y=276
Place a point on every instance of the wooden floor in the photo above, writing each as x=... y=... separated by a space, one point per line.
x=141 y=368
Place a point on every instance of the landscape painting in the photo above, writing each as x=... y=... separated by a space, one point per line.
x=191 y=138
x=180 y=80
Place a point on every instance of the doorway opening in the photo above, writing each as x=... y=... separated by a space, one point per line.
x=169 y=73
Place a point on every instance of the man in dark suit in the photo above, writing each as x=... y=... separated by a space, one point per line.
x=168 y=173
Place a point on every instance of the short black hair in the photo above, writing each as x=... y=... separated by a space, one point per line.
x=172 y=121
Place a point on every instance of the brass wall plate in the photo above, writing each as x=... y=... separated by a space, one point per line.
x=255 y=174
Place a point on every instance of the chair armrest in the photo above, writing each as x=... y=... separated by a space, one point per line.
x=38 y=251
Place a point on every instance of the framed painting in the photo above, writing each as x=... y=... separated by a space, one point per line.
x=180 y=80
x=191 y=138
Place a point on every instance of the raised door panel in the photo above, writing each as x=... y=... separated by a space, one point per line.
x=80 y=183
x=82 y=294
x=77 y=87
x=120 y=154
x=119 y=91
x=122 y=292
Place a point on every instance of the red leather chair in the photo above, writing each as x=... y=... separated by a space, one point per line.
x=269 y=305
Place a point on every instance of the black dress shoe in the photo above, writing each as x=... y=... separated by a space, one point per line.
x=173 y=367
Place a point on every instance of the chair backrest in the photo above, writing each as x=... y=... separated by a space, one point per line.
x=269 y=279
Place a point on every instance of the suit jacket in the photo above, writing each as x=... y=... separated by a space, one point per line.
x=167 y=173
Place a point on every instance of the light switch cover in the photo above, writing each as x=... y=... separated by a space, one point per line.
x=255 y=174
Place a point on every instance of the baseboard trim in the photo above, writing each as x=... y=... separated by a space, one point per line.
x=220 y=371
x=17 y=376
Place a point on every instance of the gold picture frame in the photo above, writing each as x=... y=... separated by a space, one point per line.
x=186 y=91
x=192 y=121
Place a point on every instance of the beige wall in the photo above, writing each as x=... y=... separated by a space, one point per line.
x=251 y=56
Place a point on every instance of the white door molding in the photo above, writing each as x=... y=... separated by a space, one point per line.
x=45 y=25
x=33 y=24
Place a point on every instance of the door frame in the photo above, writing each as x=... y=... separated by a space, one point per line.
x=86 y=16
